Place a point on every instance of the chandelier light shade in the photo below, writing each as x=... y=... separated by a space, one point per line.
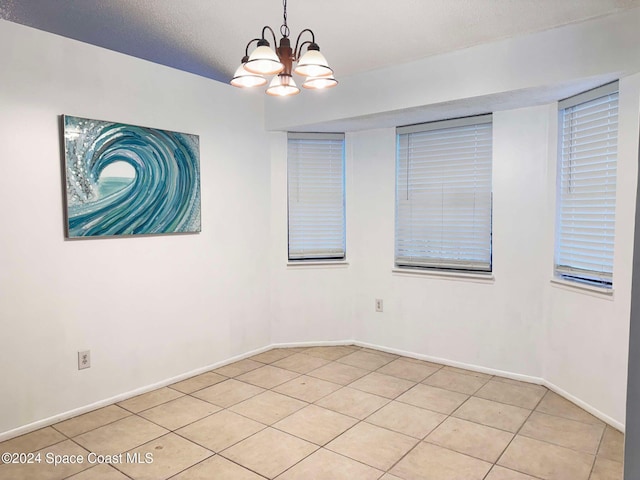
x=318 y=83
x=245 y=79
x=282 y=86
x=263 y=62
x=313 y=64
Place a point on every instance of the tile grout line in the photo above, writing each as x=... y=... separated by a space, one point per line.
x=241 y=466
x=319 y=447
x=229 y=378
x=138 y=446
x=323 y=447
x=147 y=393
x=359 y=421
x=515 y=435
x=595 y=458
x=174 y=431
x=110 y=464
x=129 y=414
x=469 y=396
x=557 y=444
x=213 y=454
x=313 y=403
x=185 y=425
x=531 y=413
x=424 y=440
x=578 y=421
x=346 y=414
x=511 y=470
x=418 y=440
x=421 y=439
x=227 y=447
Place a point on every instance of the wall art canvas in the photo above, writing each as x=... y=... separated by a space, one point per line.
x=128 y=180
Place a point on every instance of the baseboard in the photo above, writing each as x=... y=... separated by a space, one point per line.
x=452 y=363
x=429 y=358
x=46 y=422
x=585 y=406
x=502 y=373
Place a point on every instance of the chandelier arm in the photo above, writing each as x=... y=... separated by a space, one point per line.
x=296 y=53
x=267 y=27
x=299 y=54
x=246 y=50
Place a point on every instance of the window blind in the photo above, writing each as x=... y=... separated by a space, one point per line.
x=443 y=195
x=316 y=196
x=587 y=186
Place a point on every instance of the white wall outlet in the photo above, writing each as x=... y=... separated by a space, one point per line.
x=84 y=359
x=379 y=306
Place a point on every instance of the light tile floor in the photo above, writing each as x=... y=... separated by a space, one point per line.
x=329 y=413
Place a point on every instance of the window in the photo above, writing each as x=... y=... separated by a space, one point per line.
x=316 y=196
x=585 y=222
x=443 y=195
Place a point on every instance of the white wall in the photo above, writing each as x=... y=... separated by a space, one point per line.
x=308 y=303
x=586 y=338
x=148 y=308
x=519 y=323
x=491 y=324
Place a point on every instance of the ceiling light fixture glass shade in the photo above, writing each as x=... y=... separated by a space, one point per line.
x=313 y=64
x=264 y=61
x=283 y=86
x=244 y=79
x=320 y=83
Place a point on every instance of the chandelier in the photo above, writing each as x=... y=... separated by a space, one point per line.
x=263 y=62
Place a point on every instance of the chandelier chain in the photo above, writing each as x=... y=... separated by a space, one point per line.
x=284 y=28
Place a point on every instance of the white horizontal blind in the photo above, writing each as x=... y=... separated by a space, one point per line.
x=587 y=186
x=316 y=196
x=443 y=195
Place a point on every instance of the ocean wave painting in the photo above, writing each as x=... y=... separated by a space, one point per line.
x=127 y=180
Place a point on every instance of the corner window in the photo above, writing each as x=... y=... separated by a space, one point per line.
x=585 y=218
x=443 y=195
x=316 y=196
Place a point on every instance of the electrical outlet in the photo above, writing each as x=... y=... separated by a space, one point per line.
x=379 y=305
x=84 y=359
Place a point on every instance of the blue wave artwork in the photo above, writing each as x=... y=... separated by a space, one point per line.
x=128 y=180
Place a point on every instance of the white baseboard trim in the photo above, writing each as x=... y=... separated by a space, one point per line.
x=452 y=363
x=502 y=373
x=444 y=361
x=585 y=406
x=46 y=422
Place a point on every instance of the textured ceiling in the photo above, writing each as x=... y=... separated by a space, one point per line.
x=208 y=37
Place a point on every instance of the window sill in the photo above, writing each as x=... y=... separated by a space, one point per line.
x=302 y=264
x=456 y=276
x=599 y=292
